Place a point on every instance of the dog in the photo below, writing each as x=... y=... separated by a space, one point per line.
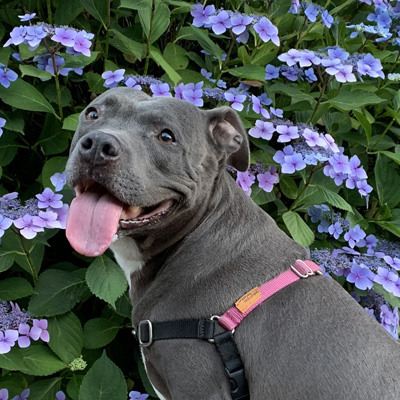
x=151 y=184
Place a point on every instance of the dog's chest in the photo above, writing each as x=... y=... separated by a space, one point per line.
x=128 y=256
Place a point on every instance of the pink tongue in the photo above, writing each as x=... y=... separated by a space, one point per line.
x=93 y=221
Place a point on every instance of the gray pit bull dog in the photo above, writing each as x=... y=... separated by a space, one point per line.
x=151 y=184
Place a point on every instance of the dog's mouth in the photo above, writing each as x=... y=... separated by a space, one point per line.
x=96 y=216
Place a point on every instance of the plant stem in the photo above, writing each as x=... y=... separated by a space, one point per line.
x=321 y=93
x=58 y=87
x=107 y=33
x=228 y=54
x=146 y=66
x=29 y=258
x=384 y=133
x=49 y=15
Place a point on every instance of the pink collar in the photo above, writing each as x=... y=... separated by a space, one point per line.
x=247 y=303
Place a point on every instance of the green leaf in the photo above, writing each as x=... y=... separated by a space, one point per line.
x=24 y=96
x=53 y=139
x=387 y=182
x=126 y=45
x=51 y=94
x=394 y=156
x=104 y=381
x=14 y=288
x=66 y=336
x=37 y=360
x=159 y=59
x=71 y=122
x=153 y=29
x=72 y=61
x=291 y=91
x=8 y=150
x=334 y=199
x=45 y=389
x=254 y=72
x=7 y=257
x=123 y=305
x=54 y=165
x=297 y=228
x=96 y=85
x=260 y=196
x=30 y=70
x=58 y=292
x=392 y=225
x=106 y=279
x=366 y=125
x=390 y=297
x=135 y=4
x=74 y=385
x=176 y=56
x=98 y=332
x=67 y=11
x=348 y=101
x=207 y=44
x=288 y=186
x=264 y=54
x=98 y=9
x=15 y=121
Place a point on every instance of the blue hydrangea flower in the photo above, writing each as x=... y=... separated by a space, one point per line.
x=327 y=19
x=3 y=394
x=113 y=78
x=7 y=76
x=361 y=276
x=271 y=72
x=387 y=279
x=26 y=17
x=160 y=90
x=240 y=22
x=201 y=15
x=335 y=230
x=24 y=395
x=220 y=22
x=311 y=12
x=17 y=36
x=267 y=31
x=353 y=236
x=133 y=395
x=65 y=36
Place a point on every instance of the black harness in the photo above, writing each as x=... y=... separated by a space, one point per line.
x=148 y=332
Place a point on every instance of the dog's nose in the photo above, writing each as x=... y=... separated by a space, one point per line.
x=99 y=148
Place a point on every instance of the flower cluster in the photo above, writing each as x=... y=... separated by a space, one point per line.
x=45 y=63
x=266 y=178
x=375 y=262
x=337 y=63
x=312 y=11
x=46 y=211
x=219 y=21
x=17 y=326
x=76 y=41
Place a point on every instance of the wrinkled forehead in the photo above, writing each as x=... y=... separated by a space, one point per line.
x=131 y=104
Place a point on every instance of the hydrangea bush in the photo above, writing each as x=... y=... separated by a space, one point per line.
x=316 y=85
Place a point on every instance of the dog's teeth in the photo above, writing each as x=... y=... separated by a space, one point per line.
x=130 y=213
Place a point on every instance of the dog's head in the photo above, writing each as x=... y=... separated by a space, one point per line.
x=138 y=164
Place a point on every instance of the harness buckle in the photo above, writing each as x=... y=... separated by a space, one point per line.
x=145 y=324
x=216 y=318
x=238 y=384
x=301 y=269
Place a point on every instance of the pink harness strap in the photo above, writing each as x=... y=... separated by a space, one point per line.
x=247 y=303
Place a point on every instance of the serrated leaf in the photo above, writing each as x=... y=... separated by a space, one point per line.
x=71 y=122
x=154 y=22
x=334 y=199
x=387 y=182
x=348 y=101
x=52 y=166
x=260 y=196
x=7 y=257
x=106 y=280
x=66 y=336
x=98 y=9
x=45 y=389
x=14 y=288
x=37 y=360
x=288 y=186
x=297 y=228
x=104 y=381
x=98 y=332
x=123 y=305
x=53 y=139
x=159 y=59
x=24 y=96
x=58 y=292
x=127 y=45
x=392 y=225
x=30 y=70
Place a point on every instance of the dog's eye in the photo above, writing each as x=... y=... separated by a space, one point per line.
x=92 y=114
x=166 y=136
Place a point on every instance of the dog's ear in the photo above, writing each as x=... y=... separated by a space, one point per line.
x=228 y=134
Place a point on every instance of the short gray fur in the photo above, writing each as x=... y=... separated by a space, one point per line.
x=310 y=341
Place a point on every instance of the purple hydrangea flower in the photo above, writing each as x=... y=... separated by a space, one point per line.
x=361 y=276
x=7 y=340
x=295 y=7
x=26 y=17
x=132 y=83
x=310 y=75
x=50 y=219
x=331 y=143
x=280 y=155
x=26 y=334
x=24 y=395
x=262 y=130
x=236 y=100
x=193 y=93
x=287 y=133
x=3 y=394
x=292 y=73
x=355 y=170
x=336 y=230
x=113 y=78
x=245 y=180
x=345 y=74
x=387 y=279
x=7 y=76
x=27 y=226
x=65 y=36
x=267 y=181
x=82 y=44
x=201 y=15
x=390 y=320
x=333 y=65
x=17 y=36
x=271 y=72
x=340 y=163
x=240 y=22
x=133 y=395
x=62 y=214
x=60 y=395
x=220 y=22
x=338 y=53
x=307 y=58
x=327 y=19
x=370 y=66
x=49 y=199
x=363 y=188
x=291 y=57
x=267 y=31
x=42 y=325
x=311 y=12
x=160 y=90
x=5 y=223
x=34 y=35
x=313 y=139
x=393 y=262
x=59 y=180
x=264 y=99
x=353 y=236
x=294 y=162
x=276 y=111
